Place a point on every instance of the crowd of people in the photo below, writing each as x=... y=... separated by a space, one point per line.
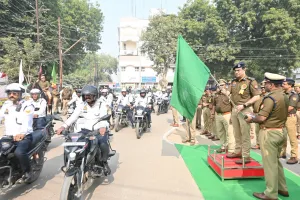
x=238 y=110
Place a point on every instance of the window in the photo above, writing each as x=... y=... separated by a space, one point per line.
x=143 y=69
x=136 y=69
x=123 y=69
x=124 y=46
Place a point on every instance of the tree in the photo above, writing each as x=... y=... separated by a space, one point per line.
x=264 y=33
x=15 y=50
x=160 y=42
x=78 y=19
x=94 y=68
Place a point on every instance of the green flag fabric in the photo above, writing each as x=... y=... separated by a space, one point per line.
x=190 y=78
x=53 y=74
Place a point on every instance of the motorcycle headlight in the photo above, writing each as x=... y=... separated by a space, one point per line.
x=139 y=112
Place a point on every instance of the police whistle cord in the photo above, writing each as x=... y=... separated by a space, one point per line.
x=234 y=106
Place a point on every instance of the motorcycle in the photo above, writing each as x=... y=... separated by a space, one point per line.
x=70 y=111
x=141 y=121
x=10 y=169
x=162 y=106
x=121 y=118
x=81 y=161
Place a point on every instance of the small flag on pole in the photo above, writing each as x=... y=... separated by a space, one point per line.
x=21 y=74
x=53 y=74
x=40 y=72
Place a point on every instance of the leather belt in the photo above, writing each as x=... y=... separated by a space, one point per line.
x=225 y=113
x=266 y=128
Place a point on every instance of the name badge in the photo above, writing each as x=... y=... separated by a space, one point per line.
x=85 y=109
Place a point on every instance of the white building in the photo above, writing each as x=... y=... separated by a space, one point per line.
x=135 y=69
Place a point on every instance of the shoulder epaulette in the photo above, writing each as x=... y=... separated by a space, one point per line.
x=251 y=79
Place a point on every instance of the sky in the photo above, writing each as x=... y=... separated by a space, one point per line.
x=114 y=10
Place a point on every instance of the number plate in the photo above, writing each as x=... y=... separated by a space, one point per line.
x=66 y=144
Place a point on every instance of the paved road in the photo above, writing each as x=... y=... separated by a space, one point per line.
x=142 y=169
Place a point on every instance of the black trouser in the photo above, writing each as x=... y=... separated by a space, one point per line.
x=129 y=114
x=104 y=147
x=39 y=123
x=148 y=113
x=21 y=151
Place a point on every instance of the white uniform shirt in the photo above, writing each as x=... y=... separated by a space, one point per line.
x=124 y=100
x=86 y=116
x=17 y=122
x=76 y=99
x=142 y=101
x=106 y=100
x=41 y=104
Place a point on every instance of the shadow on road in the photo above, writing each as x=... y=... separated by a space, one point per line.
x=49 y=171
x=93 y=184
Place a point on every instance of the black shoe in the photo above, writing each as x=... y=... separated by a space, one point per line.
x=107 y=170
x=28 y=176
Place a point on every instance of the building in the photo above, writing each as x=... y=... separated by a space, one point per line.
x=135 y=69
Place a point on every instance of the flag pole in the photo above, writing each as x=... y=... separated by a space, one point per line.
x=234 y=105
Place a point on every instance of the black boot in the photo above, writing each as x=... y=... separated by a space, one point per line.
x=28 y=176
x=107 y=170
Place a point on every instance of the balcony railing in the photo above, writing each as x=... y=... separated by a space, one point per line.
x=128 y=52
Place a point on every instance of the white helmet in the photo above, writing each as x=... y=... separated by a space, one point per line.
x=15 y=87
x=35 y=91
x=103 y=124
x=123 y=90
x=104 y=90
x=163 y=90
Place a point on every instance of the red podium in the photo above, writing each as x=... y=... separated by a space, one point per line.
x=226 y=168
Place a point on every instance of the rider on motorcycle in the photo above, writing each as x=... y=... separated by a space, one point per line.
x=90 y=111
x=40 y=109
x=142 y=100
x=18 y=115
x=126 y=101
x=76 y=98
x=106 y=99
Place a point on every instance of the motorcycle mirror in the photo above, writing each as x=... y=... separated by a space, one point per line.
x=105 y=117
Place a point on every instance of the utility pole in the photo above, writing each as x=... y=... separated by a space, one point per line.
x=60 y=55
x=37 y=21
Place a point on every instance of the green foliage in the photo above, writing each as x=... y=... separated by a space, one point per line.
x=94 y=68
x=79 y=19
x=160 y=41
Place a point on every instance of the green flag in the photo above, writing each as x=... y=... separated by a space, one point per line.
x=53 y=74
x=190 y=78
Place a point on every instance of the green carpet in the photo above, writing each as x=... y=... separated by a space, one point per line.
x=211 y=186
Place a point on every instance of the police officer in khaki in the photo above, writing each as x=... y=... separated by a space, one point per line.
x=272 y=116
x=297 y=90
x=199 y=115
x=222 y=107
x=206 y=112
x=255 y=111
x=214 y=135
x=288 y=85
x=190 y=134
x=244 y=92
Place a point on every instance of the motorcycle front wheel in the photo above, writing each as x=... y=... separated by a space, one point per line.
x=117 y=123
x=37 y=163
x=137 y=130
x=69 y=188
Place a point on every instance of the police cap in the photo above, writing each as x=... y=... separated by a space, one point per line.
x=239 y=65
x=274 y=78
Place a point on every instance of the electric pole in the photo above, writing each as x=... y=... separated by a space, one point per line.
x=37 y=21
x=60 y=55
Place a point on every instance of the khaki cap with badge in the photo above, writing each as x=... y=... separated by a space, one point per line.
x=274 y=78
x=297 y=84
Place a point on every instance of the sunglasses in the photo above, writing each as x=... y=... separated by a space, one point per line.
x=222 y=85
x=12 y=93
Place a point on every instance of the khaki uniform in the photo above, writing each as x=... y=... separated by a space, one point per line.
x=272 y=136
x=44 y=85
x=199 y=114
x=224 y=129
x=291 y=126
x=192 y=129
x=207 y=115
x=298 y=116
x=66 y=97
x=175 y=116
x=256 y=106
x=55 y=95
x=241 y=92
